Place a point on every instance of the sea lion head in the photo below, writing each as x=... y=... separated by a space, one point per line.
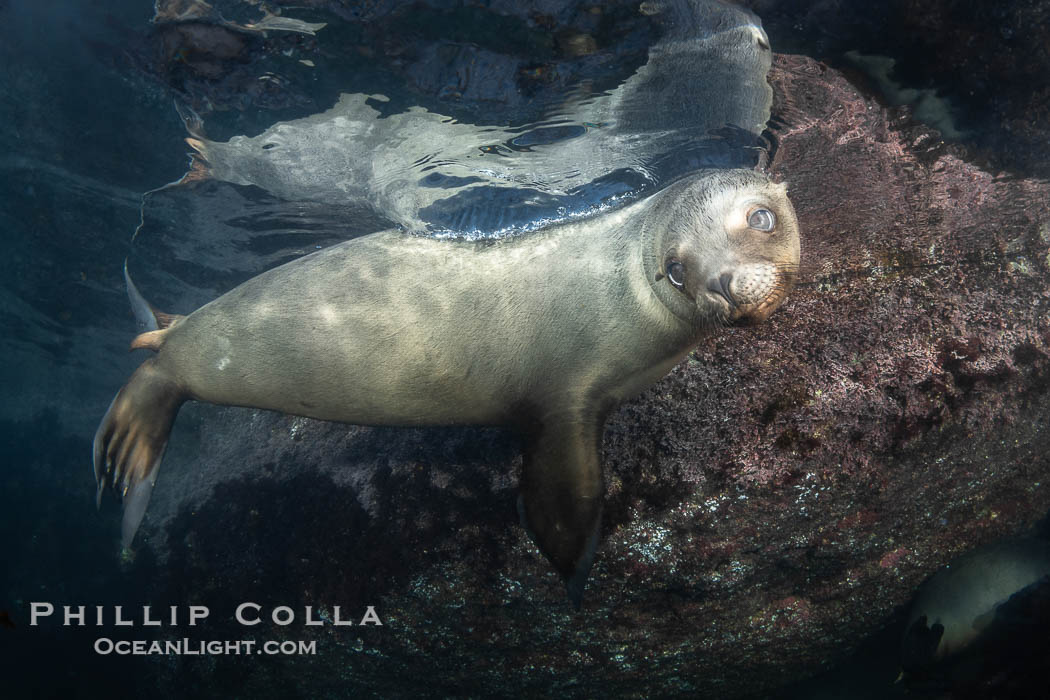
x=722 y=247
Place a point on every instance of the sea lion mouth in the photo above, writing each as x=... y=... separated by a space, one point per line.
x=747 y=315
x=753 y=293
x=752 y=314
x=745 y=320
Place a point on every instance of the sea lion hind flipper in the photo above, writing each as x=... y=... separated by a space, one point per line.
x=129 y=443
x=152 y=324
x=561 y=498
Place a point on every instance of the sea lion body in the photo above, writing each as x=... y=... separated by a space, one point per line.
x=545 y=332
x=958 y=603
x=398 y=329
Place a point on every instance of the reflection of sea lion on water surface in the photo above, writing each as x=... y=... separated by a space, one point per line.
x=546 y=331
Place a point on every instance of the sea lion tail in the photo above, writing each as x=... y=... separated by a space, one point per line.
x=129 y=443
x=153 y=325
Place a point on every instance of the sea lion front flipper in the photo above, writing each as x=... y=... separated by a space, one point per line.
x=561 y=497
x=919 y=647
x=129 y=443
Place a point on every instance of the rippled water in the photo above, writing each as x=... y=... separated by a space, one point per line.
x=457 y=151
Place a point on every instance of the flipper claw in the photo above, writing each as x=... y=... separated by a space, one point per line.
x=131 y=439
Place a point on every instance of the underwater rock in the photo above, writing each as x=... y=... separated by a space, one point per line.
x=211 y=62
x=985 y=62
x=768 y=504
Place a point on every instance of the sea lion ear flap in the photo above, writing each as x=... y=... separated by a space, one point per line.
x=561 y=498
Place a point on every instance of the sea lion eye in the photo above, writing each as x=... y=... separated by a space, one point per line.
x=762 y=220
x=676 y=273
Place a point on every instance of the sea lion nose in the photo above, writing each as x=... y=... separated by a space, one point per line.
x=720 y=285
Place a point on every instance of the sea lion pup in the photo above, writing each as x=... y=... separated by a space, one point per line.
x=958 y=604
x=545 y=332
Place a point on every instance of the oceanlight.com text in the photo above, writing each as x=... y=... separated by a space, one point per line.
x=191 y=647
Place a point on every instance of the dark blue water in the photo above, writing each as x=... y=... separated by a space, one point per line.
x=81 y=136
